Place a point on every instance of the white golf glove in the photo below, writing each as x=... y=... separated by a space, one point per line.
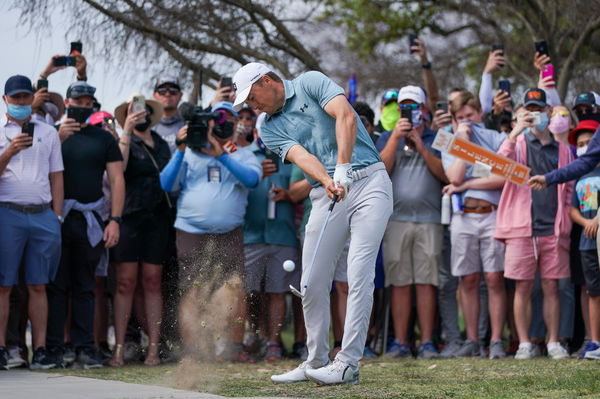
x=343 y=176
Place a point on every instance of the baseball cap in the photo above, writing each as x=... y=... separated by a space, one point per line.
x=413 y=93
x=167 y=79
x=389 y=96
x=80 y=89
x=226 y=105
x=243 y=80
x=588 y=98
x=535 y=97
x=17 y=84
x=588 y=125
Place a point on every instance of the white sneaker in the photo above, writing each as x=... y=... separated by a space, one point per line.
x=295 y=375
x=592 y=355
x=526 y=351
x=336 y=373
x=557 y=351
x=15 y=357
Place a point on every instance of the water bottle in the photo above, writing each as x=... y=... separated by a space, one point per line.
x=271 y=204
x=446 y=207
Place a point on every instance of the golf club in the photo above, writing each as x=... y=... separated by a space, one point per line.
x=296 y=292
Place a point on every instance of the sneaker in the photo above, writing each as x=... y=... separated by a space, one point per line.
x=42 y=359
x=556 y=351
x=104 y=351
x=398 y=350
x=427 y=350
x=592 y=355
x=450 y=349
x=3 y=358
x=132 y=352
x=16 y=357
x=497 y=350
x=468 y=349
x=274 y=351
x=57 y=355
x=589 y=347
x=299 y=351
x=337 y=373
x=88 y=358
x=68 y=354
x=527 y=351
x=295 y=375
x=368 y=353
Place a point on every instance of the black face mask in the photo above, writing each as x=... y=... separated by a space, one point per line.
x=223 y=130
x=588 y=117
x=80 y=114
x=141 y=127
x=250 y=137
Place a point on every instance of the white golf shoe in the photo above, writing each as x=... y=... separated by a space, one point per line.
x=295 y=375
x=336 y=373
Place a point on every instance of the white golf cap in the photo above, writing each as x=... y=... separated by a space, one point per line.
x=243 y=80
x=413 y=93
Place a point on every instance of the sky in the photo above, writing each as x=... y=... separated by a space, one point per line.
x=27 y=53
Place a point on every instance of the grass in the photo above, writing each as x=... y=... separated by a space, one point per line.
x=414 y=379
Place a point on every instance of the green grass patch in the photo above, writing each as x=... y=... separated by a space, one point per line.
x=411 y=379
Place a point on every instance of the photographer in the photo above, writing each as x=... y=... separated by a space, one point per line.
x=87 y=152
x=214 y=177
x=145 y=226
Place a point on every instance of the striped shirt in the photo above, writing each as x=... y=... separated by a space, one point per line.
x=25 y=180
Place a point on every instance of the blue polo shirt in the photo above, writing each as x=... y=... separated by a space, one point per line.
x=488 y=139
x=302 y=120
x=209 y=206
x=257 y=228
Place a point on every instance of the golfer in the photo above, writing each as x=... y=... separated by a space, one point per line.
x=309 y=122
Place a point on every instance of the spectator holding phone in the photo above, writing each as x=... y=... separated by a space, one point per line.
x=535 y=226
x=31 y=202
x=88 y=152
x=495 y=61
x=214 y=181
x=167 y=91
x=412 y=244
x=142 y=245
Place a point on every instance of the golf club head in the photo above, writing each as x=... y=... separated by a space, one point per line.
x=296 y=292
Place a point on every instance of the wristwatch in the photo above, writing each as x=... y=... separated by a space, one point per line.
x=117 y=219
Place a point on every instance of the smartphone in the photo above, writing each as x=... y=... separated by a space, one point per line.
x=138 y=103
x=412 y=41
x=273 y=157
x=536 y=118
x=496 y=47
x=64 y=61
x=548 y=71
x=78 y=114
x=76 y=48
x=41 y=83
x=406 y=113
x=28 y=128
x=541 y=46
x=226 y=81
x=442 y=105
x=504 y=85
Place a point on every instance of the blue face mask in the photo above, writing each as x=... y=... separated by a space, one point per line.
x=543 y=122
x=19 y=112
x=417 y=118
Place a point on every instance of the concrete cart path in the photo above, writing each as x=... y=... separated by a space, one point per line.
x=24 y=384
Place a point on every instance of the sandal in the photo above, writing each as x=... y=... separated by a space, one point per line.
x=152 y=359
x=117 y=357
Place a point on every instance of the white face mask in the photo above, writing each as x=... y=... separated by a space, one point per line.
x=581 y=150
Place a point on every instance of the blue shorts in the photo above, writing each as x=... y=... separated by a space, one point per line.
x=32 y=240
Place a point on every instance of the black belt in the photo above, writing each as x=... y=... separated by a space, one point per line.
x=25 y=208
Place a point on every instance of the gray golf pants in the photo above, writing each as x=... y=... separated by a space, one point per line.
x=362 y=216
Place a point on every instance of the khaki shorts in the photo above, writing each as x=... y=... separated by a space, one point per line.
x=474 y=248
x=412 y=253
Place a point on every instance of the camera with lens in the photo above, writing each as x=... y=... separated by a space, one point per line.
x=197 y=119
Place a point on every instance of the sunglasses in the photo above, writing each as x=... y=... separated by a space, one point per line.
x=561 y=112
x=409 y=106
x=170 y=90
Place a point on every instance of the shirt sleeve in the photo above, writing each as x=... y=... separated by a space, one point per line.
x=56 y=161
x=579 y=167
x=447 y=160
x=320 y=87
x=277 y=141
x=553 y=97
x=485 y=93
x=113 y=154
x=575 y=201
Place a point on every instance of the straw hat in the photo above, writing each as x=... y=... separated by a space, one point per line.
x=121 y=111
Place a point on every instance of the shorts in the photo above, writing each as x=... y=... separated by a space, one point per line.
x=412 y=253
x=524 y=255
x=209 y=260
x=143 y=238
x=591 y=271
x=474 y=248
x=32 y=240
x=264 y=264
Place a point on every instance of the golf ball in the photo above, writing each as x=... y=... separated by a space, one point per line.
x=289 y=265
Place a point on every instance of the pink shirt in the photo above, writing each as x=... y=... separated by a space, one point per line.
x=25 y=180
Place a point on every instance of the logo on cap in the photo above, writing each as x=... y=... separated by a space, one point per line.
x=534 y=95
